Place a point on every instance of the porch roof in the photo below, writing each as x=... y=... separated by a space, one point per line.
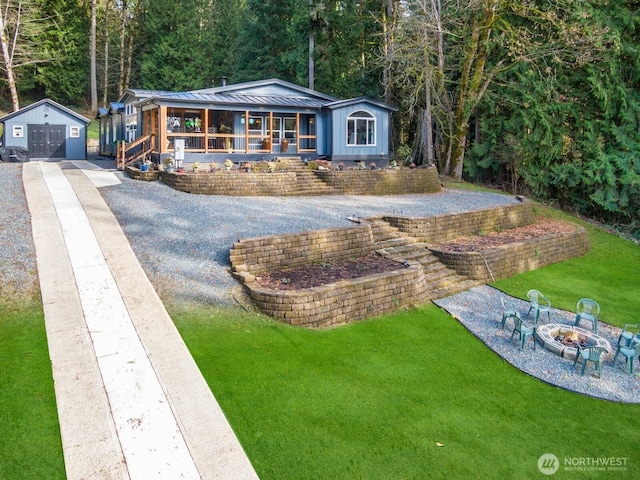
x=228 y=99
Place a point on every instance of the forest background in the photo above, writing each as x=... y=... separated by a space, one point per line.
x=539 y=97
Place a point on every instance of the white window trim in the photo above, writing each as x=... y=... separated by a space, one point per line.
x=74 y=132
x=371 y=124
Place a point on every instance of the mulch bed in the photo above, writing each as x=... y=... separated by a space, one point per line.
x=309 y=276
x=541 y=227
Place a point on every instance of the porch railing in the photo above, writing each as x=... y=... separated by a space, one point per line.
x=127 y=153
x=241 y=143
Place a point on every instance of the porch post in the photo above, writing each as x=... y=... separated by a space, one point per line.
x=246 y=131
x=297 y=133
x=162 y=127
x=205 y=123
x=270 y=131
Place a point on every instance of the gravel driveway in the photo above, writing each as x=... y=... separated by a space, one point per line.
x=183 y=240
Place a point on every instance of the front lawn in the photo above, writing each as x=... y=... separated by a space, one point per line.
x=30 y=446
x=414 y=395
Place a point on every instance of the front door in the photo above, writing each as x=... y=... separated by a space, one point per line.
x=46 y=141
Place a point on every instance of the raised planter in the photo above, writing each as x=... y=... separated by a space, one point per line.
x=513 y=258
x=341 y=302
x=145 y=176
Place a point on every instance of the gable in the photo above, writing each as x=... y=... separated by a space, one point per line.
x=45 y=105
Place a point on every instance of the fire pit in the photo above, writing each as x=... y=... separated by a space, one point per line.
x=564 y=340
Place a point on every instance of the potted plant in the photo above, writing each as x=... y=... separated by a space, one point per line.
x=228 y=164
x=372 y=166
x=361 y=165
x=195 y=167
x=341 y=166
x=212 y=167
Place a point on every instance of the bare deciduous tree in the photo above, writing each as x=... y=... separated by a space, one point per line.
x=20 y=25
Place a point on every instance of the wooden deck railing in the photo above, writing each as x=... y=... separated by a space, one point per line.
x=123 y=149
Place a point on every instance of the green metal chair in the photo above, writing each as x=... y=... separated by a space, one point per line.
x=508 y=310
x=630 y=352
x=539 y=303
x=590 y=354
x=629 y=330
x=587 y=309
x=523 y=330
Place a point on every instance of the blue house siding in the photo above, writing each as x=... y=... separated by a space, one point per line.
x=341 y=151
x=319 y=129
x=26 y=128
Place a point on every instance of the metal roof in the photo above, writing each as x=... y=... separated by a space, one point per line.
x=233 y=99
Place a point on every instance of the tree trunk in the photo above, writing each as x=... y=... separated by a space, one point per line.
x=123 y=36
x=105 y=80
x=92 y=56
x=8 y=61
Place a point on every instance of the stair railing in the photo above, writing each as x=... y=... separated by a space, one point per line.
x=124 y=156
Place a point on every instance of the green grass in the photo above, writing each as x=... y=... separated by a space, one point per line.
x=370 y=400
x=93 y=130
x=30 y=446
x=609 y=274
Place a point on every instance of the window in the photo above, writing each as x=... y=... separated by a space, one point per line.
x=361 y=129
x=18 y=131
x=290 y=129
x=74 y=132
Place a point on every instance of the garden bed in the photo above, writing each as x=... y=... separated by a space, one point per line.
x=313 y=275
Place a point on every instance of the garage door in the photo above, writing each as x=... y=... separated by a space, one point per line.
x=46 y=141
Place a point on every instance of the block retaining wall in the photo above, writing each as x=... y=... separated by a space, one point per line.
x=232 y=183
x=346 y=182
x=137 y=174
x=510 y=259
x=381 y=182
x=355 y=299
x=443 y=228
x=263 y=254
x=344 y=301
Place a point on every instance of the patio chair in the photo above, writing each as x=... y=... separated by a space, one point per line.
x=630 y=352
x=629 y=330
x=539 y=304
x=587 y=309
x=590 y=354
x=523 y=330
x=508 y=310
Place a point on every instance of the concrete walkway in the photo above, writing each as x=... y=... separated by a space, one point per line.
x=132 y=403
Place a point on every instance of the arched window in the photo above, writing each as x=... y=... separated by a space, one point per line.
x=361 y=129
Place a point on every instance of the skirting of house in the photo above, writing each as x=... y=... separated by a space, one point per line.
x=356 y=299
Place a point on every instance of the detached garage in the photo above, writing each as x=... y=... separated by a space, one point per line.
x=47 y=130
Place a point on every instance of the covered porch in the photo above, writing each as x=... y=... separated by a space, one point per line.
x=211 y=134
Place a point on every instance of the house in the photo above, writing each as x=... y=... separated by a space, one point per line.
x=48 y=130
x=250 y=121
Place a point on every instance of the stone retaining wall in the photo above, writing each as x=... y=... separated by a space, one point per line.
x=382 y=182
x=345 y=182
x=355 y=299
x=344 y=301
x=263 y=254
x=137 y=174
x=513 y=258
x=443 y=228
x=232 y=183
